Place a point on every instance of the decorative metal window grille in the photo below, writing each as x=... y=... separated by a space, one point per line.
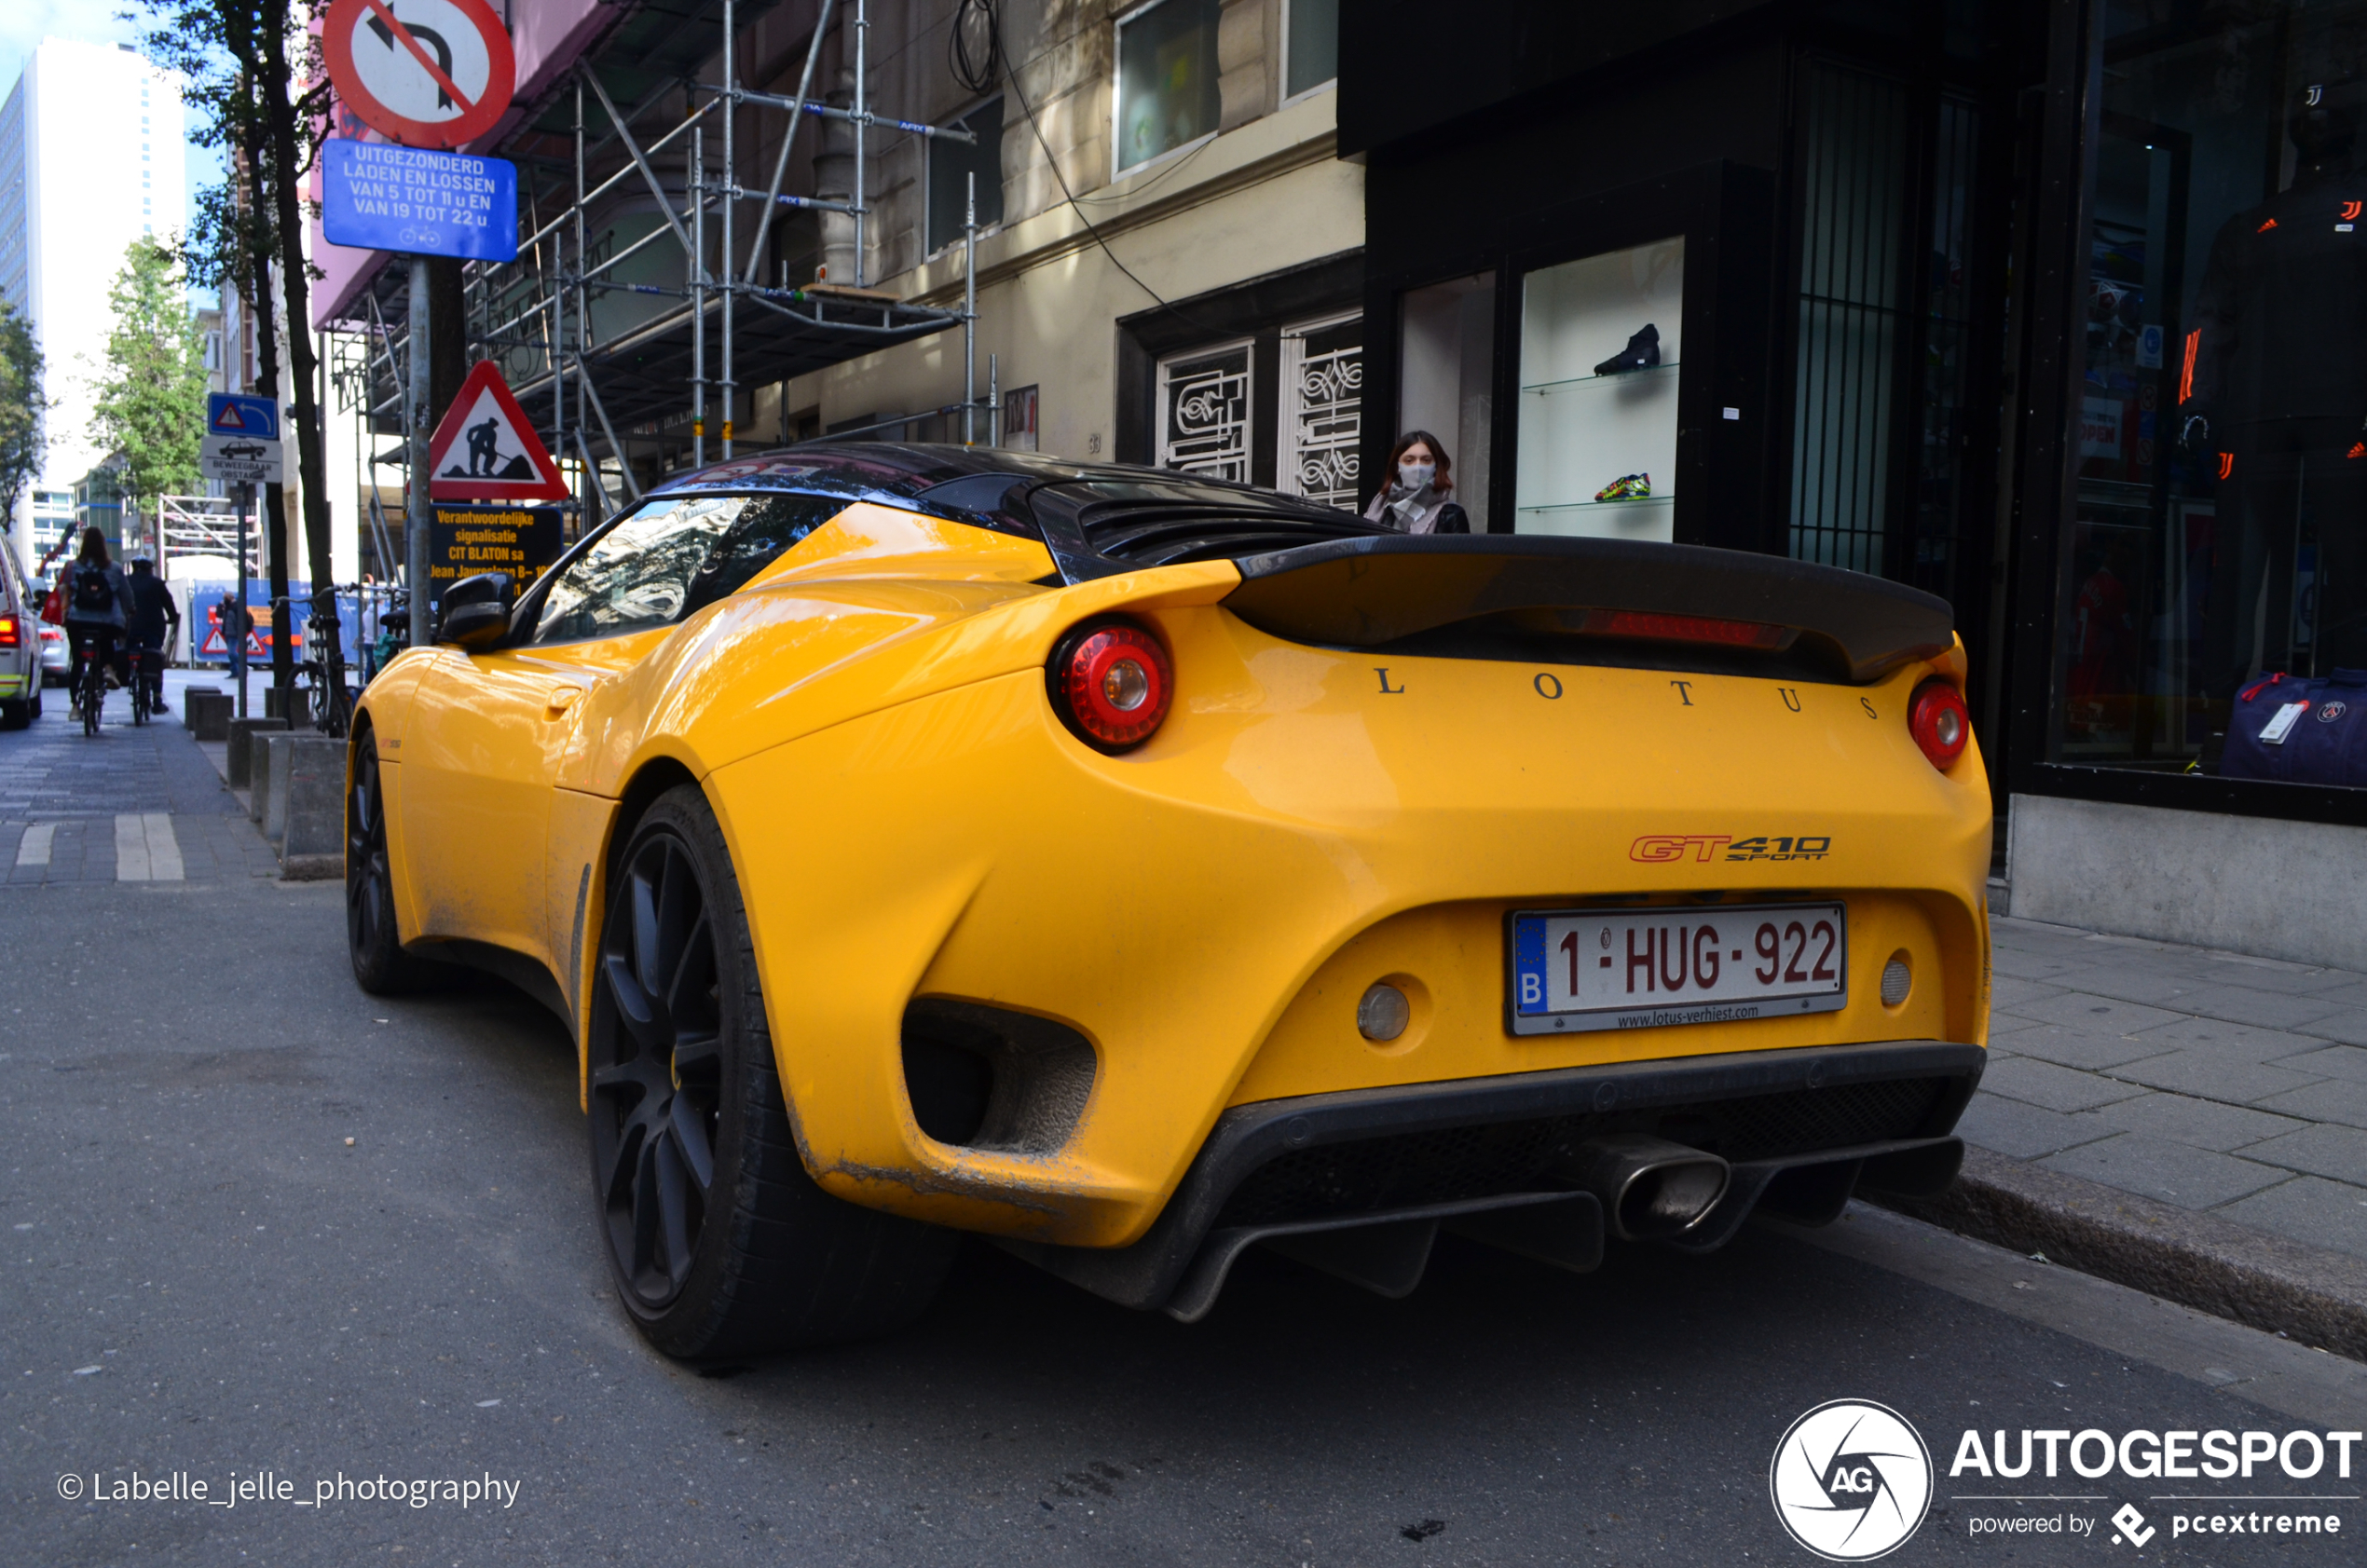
x=1204 y=412
x=1322 y=386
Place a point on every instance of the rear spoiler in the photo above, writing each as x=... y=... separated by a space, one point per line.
x=1371 y=592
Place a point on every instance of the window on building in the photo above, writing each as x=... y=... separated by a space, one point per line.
x=1601 y=340
x=1018 y=419
x=2218 y=540
x=952 y=165
x=1323 y=394
x=1204 y=412
x=1167 y=93
x=1310 y=47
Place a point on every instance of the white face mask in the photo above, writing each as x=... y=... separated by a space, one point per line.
x=1415 y=476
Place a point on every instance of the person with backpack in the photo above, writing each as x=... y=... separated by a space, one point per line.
x=154 y=621
x=97 y=605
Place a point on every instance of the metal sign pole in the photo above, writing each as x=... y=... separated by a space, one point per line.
x=234 y=623
x=418 y=516
x=970 y=313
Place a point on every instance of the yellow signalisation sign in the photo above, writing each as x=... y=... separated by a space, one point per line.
x=521 y=540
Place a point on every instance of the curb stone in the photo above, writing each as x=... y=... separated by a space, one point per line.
x=2307 y=1293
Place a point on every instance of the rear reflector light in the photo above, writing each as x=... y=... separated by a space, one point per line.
x=1111 y=684
x=1935 y=717
x=8 y=631
x=1684 y=629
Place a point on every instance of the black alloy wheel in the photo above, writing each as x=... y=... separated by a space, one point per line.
x=723 y=1249
x=662 y=1089
x=381 y=966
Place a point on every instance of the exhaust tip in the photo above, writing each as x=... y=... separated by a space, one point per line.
x=1649 y=1188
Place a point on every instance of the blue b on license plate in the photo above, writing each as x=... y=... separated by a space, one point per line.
x=1574 y=970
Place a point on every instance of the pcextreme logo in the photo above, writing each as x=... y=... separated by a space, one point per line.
x=1851 y=1481
x=1663 y=848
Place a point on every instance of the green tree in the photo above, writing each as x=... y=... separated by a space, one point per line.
x=23 y=405
x=151 y=401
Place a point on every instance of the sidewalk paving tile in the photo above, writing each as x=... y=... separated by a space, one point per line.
x=2337 y=1153
x=2025 y=1132
x=2071 y=1047
x=2096 y=1015
x=2352 y=992
x=2055 y=1088
x=2349 y=1026
x=2204 y=1072
x=2310 y=1209
x=2336 y=1099
x=2025 y=965
x=2008 y=991
x=2159 y=1169
x=2201 y=1124
x=2232 y=1042
x=2263 y=1009
x=2331 y=1061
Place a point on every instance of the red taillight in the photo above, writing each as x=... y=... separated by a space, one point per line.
x=1935 y=717
x=1684 y=629
x=8 y=631
x=1111 y=684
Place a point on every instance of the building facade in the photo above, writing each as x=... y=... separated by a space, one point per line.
x=91 y=158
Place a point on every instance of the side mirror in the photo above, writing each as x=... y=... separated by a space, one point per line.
x=475 y=612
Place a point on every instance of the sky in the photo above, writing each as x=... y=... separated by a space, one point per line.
x=23 y=23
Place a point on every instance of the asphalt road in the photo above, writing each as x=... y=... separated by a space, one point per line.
x=204 y=1277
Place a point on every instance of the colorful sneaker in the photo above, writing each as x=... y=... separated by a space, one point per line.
x=1626 y=487
x=1643 y=351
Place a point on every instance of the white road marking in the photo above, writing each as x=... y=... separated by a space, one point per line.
x=33 y=848
x=130 y=847
x=164 y=849
x=146 y=849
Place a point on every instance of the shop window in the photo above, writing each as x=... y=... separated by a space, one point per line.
x=1446 y=377
x=1204 y=412
x=1310 y=46
x=2219 y=462
x=1601 y=341
x=1322 y=383
x=1167 y=93
x=1018 y=419
x=952 y=167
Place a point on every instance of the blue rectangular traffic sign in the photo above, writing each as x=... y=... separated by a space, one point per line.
x=230 y=414
x=375 y=197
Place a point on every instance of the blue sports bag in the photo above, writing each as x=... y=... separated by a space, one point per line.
x=2298 y=730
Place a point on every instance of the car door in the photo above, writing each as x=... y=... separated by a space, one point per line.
x=481 y=754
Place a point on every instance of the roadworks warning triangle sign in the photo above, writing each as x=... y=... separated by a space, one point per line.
x=484 y=450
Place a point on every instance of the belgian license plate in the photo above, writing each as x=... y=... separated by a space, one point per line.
x=1574 y=970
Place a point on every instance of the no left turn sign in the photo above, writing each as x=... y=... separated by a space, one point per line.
x=422 y=73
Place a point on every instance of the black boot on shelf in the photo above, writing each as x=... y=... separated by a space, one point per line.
x=1643 y=351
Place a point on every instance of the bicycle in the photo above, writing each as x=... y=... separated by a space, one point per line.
x=90 y=687
x=140 y=711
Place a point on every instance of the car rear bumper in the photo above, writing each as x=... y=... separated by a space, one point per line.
x=1803 y=1129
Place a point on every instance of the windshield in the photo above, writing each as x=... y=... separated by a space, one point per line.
x=671 y=558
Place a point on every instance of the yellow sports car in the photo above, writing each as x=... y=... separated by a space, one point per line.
x=1131 y=868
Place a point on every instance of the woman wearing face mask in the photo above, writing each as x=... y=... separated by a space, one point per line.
x=1414 y=501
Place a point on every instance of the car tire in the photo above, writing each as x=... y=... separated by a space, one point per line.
x=756 y=1258
x=33 y=709
x=380 y=965
x=15 y=714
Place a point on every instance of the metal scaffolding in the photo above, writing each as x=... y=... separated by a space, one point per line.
x=629 y=381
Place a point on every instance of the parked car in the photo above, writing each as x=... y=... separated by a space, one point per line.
x=1135 y=868
x=57 y=655
x=21 y=661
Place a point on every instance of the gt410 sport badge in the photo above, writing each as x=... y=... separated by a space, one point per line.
x=1666 y=848
x=1851 y=1481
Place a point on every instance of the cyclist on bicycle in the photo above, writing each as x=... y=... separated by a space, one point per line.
x=98 y=604
x=155 y=620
